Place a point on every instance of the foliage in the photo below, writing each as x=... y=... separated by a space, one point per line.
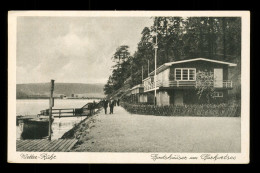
x=121 y=54
x=205 y=110
x=121 y=70
x=205 y=84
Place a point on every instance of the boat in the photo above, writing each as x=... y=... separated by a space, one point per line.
x=35 y=128
x=21 y=118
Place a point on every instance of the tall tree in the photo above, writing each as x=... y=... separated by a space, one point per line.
x=121 y=54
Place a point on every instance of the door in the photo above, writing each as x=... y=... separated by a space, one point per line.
x=178 y=97
x=218 y=77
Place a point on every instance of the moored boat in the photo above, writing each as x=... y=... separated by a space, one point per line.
x=35 y=128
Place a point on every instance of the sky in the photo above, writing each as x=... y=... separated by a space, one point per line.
x=73 y=49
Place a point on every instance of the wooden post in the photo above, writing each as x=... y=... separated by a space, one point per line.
x=50 y=107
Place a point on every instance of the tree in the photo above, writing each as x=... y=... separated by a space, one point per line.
x=205 y=85
x=121 y=71
x=121 y=54
x=108 y=88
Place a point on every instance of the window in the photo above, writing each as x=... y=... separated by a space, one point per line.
x=192 y=74
x=185 y=74
x=178 y=74
x=218 y=94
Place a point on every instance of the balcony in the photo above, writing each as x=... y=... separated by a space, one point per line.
x=227 y=84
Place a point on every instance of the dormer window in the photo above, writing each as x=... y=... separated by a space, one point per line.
x=185 y=74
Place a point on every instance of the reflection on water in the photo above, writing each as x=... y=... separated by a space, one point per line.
x=59 y=125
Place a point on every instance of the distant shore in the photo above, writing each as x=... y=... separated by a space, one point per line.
x=55 y=98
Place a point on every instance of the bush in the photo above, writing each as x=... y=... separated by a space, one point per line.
x=205 y=110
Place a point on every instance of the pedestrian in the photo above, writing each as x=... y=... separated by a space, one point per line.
x=94 y=106
x=90 y=107
x=114 y=102
x=105 y=104
x=111 y=105
x=118 y=102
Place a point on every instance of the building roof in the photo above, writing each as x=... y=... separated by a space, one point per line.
x=137 y=86
x=166 y=65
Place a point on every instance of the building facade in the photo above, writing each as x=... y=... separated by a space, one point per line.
x=177 y=82
x=138 y=95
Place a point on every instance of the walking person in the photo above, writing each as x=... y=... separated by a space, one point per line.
x=111 y=105
x=90 y=107
x=105 y=104
x=114 y=102
x=118 y=102
x=94 y=107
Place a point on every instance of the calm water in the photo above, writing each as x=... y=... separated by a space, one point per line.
x=60 y=125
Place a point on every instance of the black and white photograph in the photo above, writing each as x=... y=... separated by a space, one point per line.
x=128 y=87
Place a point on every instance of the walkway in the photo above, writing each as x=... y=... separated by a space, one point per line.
x=125 y=132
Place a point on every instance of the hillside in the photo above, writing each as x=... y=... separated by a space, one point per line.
x=43 y=89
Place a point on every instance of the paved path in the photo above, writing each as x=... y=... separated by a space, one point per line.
x=125 y=132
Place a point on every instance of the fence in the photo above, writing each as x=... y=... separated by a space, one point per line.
x=71 y=112
x=206 y=110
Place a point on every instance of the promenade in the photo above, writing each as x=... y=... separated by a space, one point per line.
x=125 y=132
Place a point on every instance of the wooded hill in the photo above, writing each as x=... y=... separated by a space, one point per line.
x=179 y=38
x=43 y=89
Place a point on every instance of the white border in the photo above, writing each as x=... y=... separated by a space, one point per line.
x=91 y=157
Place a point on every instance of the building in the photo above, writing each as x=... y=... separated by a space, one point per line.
x=138 y=95
x=176 y=81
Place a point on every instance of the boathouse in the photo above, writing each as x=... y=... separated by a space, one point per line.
x=176 y=81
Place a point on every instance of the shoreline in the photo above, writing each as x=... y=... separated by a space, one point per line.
x=80 y=130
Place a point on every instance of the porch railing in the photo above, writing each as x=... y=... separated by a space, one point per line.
x=171 y=83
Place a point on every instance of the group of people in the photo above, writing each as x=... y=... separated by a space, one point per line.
x=111 y=103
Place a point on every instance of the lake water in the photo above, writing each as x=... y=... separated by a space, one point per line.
x=60 y=125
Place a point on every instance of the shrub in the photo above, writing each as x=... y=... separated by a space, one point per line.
x=205 y=110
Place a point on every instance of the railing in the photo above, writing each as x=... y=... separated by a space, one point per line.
x=71 y=112
x=216 y=84
x=68 y=112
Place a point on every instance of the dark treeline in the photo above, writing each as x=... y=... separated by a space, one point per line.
x=178 y=39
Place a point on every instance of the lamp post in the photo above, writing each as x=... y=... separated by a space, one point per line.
x=148 y=68
x=155 y=64
x=142 y=73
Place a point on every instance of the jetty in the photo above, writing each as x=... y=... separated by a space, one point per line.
x=37 y=130
x=45 y=145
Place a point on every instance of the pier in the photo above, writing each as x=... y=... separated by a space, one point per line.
x=45 y=145
x=86 y=110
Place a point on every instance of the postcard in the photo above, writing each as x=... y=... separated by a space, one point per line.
x=157 y=87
